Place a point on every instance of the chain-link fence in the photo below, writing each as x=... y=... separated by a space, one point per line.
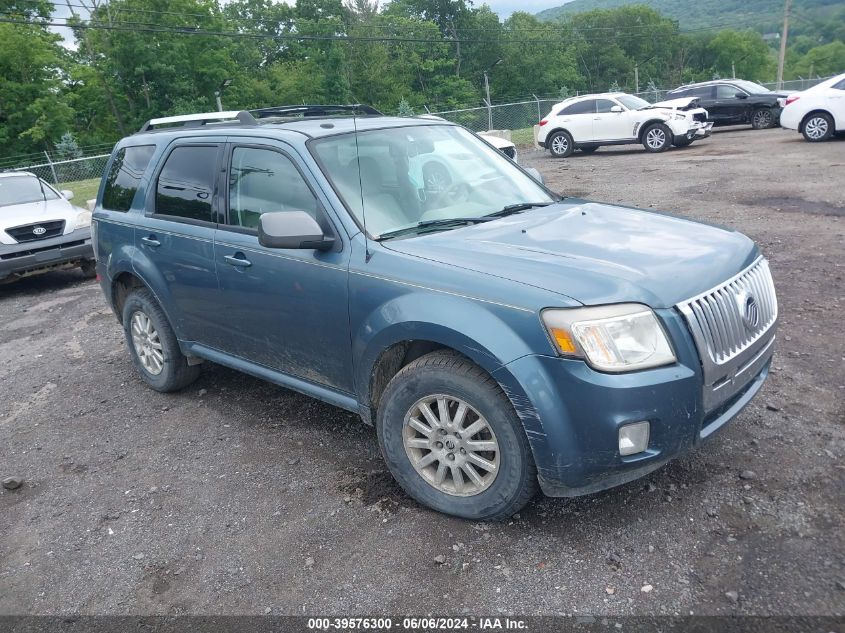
x=80 y=175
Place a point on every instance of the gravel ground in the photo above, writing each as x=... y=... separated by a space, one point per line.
x=237 y=496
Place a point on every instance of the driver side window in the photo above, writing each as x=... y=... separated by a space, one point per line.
x=265 y=181
x=726 y=92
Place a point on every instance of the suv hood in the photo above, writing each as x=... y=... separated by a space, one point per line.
x=684 y=103
x=38 y=211
x=594 y=253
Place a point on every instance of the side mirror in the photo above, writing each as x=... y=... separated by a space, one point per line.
x=67 y=194
x=536 y=175
x=616 y=108
x=741 y=95
x=292 y=229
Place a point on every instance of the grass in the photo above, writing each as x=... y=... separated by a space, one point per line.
x=83 y=190
x=525 y=136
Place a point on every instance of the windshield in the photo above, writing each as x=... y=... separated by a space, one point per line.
x=23 y=189
x=750 y=86
x=422 y=173
x=632 y=103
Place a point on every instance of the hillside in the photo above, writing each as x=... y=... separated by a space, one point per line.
x=761 y=15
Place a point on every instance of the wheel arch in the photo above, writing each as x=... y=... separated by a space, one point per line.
x=812 y=112
x=647 y=124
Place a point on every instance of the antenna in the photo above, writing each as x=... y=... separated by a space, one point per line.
x=367 y=253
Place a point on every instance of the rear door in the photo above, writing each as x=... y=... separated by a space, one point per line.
x=835 y=99
x=286 y=309
x=174 y=239
x=577 y=118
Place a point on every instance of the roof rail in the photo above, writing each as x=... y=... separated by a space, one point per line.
x=316 y=110
x=195 y=120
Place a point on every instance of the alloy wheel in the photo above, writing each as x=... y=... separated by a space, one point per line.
x=451 y=445
x=762 y=119
x=816 y=127
x=655 y=138
x=560 y=145
x=147 y=343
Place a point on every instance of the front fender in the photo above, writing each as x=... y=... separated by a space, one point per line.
x=490 y=335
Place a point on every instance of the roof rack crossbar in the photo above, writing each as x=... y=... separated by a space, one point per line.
x=241 y=116
x=315 y=110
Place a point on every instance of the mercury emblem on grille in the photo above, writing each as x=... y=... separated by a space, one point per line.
x=749 y=309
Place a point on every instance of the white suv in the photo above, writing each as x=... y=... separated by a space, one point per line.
x=589 y=121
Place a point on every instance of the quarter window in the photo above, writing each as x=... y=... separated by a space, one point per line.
x=264 y=181
x=186 y=183
x=122 y=180
x=840 y=85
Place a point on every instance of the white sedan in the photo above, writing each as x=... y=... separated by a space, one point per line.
x=818 y=112
x=587 y=122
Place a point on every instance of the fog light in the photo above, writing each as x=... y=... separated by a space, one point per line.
x=633 y=438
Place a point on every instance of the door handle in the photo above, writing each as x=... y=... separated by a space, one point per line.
x=234 y=260
x=151 y=241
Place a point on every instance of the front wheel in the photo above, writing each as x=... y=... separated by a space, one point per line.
x=453 y=441
x=657 y=138
x=153 y=346
x=762 y=118
x=560 y=144
x=818 y=127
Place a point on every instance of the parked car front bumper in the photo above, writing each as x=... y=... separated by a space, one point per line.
x=29 y=258
x=580 y=411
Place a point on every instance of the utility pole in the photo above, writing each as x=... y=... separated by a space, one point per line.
x=636 y=78
x=219 y=103
x=733 y=70
x=783 y=37
x=489 y=105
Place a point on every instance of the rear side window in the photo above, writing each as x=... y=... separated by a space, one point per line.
x=840 y=85
x=186 y=183
x=122 y=180
x=582 y=107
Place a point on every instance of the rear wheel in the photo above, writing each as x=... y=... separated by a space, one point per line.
x=153 y=346
x=818 y=127
x=762 y=118
x=452 y=439
x=657 y=138
x=560 y=144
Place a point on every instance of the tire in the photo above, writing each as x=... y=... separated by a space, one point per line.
x=141 y=308
x=657 y=138
x=448 y=378
x=588 y=149
x=762 y=118
x=683 y=141
x=560 y=144
x=88 y=268
x=818 y=127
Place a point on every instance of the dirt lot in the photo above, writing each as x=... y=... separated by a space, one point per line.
x=240 y=497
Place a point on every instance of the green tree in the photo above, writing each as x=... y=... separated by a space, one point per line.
x=746 y=50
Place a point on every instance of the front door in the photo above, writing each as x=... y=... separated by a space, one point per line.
x=286 y=309
x=611 y=126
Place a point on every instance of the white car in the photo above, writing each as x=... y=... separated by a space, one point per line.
x=503 y=145
x=587 y=122
x=40 y=230
x=818 y=112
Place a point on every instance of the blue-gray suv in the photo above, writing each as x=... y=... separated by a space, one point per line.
x=499 y=337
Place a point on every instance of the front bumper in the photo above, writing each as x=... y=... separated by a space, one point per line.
x=575 y=413
x=29 y=258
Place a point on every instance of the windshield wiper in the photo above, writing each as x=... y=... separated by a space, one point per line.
x=519 y=207
x=428 y=224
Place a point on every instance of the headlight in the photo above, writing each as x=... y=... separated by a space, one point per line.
x=614 y=338
x=83 y=220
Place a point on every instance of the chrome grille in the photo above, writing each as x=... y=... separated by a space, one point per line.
x=728 y=320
